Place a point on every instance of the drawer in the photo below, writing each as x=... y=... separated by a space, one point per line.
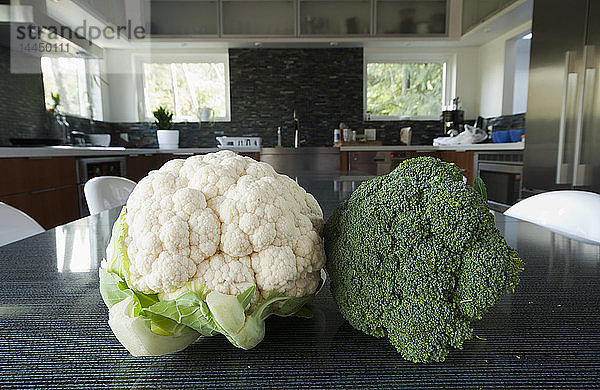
x=35 y=174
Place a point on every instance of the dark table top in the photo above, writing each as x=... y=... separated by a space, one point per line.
x=54 y=331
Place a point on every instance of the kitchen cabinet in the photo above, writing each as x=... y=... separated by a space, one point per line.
x=138 y=166
x=463 y=160
x=50 y=207
x=110 y=12
x=300 y=18
x=335 y=17
x=475 y=12
x=414 y=18
x=44 y=188
x=258 y=18
x=181 y=17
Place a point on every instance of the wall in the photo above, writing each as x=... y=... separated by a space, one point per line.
x=325 y=86
x=491 y=76
x=22 y=107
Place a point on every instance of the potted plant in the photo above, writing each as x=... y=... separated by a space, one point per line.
x=55 y=101
x=167 y=137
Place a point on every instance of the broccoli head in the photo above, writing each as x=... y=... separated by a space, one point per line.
x=415 y=256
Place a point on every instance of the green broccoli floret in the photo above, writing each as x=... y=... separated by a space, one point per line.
x=415 y=256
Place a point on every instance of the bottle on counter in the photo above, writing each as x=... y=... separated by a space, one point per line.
x=336 y=135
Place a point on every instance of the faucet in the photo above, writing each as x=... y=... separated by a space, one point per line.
x=296 y=130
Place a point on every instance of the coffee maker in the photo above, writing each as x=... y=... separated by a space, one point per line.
x=453 y=119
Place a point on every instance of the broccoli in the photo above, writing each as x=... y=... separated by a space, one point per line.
x=415 y=256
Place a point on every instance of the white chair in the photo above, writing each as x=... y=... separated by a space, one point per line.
x=105 y=192
x=16 y=225
x=575 y=214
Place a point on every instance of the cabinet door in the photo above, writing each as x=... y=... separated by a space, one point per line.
x=335 y=17
x=181 y=17
x=139 y=166
x=35 y=174
x=411 y=17
x=258 y=18
x=475 y=12
x=463 y=160
x=49 y=208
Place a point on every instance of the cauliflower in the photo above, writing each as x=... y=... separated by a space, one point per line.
x=220 y=233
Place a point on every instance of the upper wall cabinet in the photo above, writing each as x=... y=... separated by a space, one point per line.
x=335 y=17
x=478 y=11
x=300 y=18
x=258 y=18
x=411 y=17
x=184 y=17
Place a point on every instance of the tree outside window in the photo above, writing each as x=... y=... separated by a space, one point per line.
x=77 y=81
x=185 y=87
x=405 y=89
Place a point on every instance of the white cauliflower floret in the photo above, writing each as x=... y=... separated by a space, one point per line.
x=227 y=222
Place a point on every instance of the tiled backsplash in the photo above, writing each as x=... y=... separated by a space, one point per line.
x=22 y=109
x=324 y=86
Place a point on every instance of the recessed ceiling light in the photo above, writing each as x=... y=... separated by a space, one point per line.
x=257 y=44
x=527 y=36
x=333 y=43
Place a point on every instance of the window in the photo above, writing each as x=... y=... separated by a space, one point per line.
x=405 y=88
x=77 y=81
x=186 y=86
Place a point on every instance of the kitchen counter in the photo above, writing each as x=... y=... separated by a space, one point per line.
x=54 y=331
x=98 y=151
x=430 y=148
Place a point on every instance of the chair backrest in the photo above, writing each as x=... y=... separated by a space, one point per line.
x=16 y=225
x=575 y=214
x=105 y=192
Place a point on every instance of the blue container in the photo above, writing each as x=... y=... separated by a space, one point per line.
x=500 y=136
x=515 y=135
x=504 y=136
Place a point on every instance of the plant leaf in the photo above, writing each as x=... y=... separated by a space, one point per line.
x=480 y=188
x=245 y=297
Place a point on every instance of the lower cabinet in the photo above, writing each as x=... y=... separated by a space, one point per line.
x=44 y=188
x=138 y=166
x=464 y=160
x=50 y=208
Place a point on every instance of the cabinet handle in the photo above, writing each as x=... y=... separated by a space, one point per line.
x=581 y=171
x=571 y=75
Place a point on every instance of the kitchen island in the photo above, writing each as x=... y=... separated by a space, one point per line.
x=54 y=331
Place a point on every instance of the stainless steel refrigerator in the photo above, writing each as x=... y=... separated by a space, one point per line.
x=562 y=145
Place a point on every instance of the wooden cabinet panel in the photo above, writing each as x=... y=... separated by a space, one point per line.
x=49 y=208
x=35 y=174
x=464 y=160
x=139 y=166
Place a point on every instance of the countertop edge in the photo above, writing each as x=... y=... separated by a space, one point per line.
x=428 y=148
x=74 y=151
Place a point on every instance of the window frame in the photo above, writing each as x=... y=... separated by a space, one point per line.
x=168 y=58
x=448 y=78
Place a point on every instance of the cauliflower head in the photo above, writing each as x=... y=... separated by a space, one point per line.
x=218 y=224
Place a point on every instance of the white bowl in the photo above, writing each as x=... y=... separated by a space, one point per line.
x=99 y=139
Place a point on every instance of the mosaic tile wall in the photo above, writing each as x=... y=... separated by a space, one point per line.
x=22 y=109
x=324 y=86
